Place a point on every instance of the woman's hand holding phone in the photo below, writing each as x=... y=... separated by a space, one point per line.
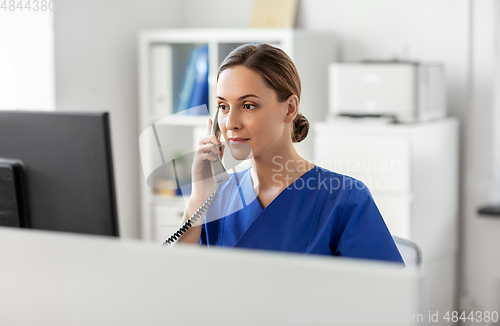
x=203 y=182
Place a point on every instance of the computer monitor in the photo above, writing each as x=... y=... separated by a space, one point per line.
x=56 y=172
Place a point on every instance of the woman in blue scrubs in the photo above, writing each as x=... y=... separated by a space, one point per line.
x=283 y=202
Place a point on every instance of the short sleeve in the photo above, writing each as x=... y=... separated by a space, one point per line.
x=361 y=231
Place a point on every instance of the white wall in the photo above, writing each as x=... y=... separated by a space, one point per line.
x=218 y=13
x=96 y=70
x=426 y=30
x=495 y=193
x=27 y=60
x=408 y=29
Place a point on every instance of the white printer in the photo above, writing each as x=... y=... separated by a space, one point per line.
x=402 y=90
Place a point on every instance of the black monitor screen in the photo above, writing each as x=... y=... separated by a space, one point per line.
x=67 y=168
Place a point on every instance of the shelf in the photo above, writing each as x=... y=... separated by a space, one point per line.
x=490 y=210
x=169 y=201
x=233 y=35
x=181 y=120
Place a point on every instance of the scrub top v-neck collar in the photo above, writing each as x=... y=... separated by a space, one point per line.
x=270 y=222
x=292 y=185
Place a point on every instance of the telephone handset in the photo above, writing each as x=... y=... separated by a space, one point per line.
x=220 y=175
x=218 y=171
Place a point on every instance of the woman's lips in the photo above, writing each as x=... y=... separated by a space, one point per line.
x=237 y=140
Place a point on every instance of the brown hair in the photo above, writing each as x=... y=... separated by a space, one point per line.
x=277 y=70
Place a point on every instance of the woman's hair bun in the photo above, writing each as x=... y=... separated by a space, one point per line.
x=300 y=128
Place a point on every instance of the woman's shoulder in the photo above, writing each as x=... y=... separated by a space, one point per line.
x=335 y=182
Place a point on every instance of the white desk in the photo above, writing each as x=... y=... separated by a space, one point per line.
x=64 y=279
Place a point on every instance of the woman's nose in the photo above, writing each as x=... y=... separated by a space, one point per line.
x=233 y=120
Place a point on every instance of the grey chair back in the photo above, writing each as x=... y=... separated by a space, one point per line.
x=410 y=251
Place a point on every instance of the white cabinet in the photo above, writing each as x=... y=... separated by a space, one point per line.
x=412 y=172
x=168 y=215
x=163 y=58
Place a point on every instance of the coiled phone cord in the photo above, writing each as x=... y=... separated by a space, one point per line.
x=203 y=208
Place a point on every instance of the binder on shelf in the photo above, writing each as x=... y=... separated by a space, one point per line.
x=161 y=80
x=194 y=90
x=188 y=82
x=199 y=95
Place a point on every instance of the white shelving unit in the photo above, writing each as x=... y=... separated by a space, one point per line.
x=160 y=83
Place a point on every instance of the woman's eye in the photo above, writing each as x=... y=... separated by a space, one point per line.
x=222 y=107
x=249 y=106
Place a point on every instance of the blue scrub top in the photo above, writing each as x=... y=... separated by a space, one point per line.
x=322 y=212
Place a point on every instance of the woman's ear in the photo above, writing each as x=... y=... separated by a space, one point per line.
x=292 y=103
